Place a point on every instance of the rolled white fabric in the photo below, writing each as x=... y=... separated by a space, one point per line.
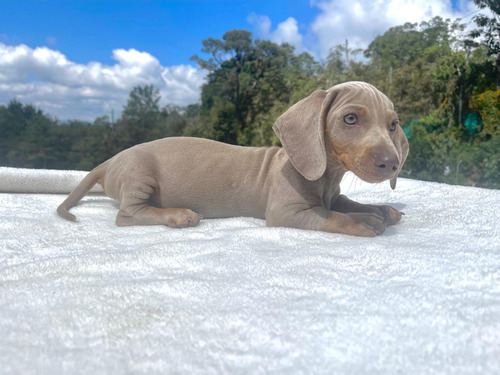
x=22 y=180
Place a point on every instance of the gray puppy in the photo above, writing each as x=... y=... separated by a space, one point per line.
x=177 y=181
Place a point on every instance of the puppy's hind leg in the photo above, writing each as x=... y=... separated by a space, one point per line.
x=136 y=209
x=149 y=215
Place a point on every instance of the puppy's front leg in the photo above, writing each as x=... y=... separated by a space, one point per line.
x=343 y=204
x=322 y=219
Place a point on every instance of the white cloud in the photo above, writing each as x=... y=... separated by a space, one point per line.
x=360 y=21
x=47 y=79
x=182 y=84
x=286 y=31
x=261 y=23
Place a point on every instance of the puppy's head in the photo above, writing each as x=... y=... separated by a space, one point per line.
x=352 y=125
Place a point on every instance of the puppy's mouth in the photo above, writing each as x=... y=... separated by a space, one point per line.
x=368 y=174
x=359 y=166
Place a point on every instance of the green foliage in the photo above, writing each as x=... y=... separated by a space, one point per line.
x=488 y=105
x=444 y=85
x=489 y=31
x=443 y=157
x=140 y=117
x=409 y=42
x=34 y=140
x=248 y=79
x=490 y=163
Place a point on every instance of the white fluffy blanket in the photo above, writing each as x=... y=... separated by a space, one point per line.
x=233 y=296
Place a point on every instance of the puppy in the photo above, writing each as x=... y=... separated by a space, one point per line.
x=178 y=181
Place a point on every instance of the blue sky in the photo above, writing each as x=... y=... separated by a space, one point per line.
x=79 y=59
x=172 y=31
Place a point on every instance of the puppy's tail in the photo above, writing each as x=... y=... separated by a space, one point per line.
x=80 y=191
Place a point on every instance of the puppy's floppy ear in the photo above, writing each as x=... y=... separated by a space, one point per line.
x=301 y=132
x=393 y=182
x=404 y=146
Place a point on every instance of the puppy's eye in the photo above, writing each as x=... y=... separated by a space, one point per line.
x=350 y=119
x=393 y=126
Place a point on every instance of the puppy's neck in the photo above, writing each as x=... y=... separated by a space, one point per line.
x=334 y=164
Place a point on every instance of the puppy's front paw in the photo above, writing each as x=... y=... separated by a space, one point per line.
x=391 y=215
x=367 y=224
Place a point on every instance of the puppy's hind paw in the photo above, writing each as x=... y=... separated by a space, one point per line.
x=181 y=218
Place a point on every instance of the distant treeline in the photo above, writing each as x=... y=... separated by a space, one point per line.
x=444 y=82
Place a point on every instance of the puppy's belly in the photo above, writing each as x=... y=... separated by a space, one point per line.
x=225 y=201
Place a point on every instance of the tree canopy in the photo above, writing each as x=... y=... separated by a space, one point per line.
x=444 y=82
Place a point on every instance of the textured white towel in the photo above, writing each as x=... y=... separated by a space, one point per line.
x=233 y=296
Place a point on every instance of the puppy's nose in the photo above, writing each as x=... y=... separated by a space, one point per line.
x=386 y=162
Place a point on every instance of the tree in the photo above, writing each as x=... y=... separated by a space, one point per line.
x=246 y=79
x=140 y=118
x=489 y=31
x=487 y=104
x=25 y=136
x=407 y=43
x=142 y=103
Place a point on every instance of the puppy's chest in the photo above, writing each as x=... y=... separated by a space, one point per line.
x=330 y=194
